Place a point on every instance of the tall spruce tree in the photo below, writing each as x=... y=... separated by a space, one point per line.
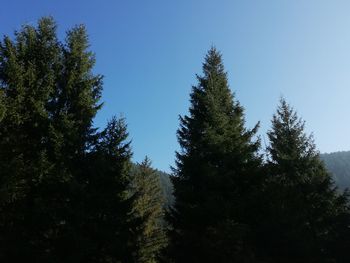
x=28 y=70
x=305 y=210
x=215 y=174
x=107 y=223
x=148 y=209
x=2 y=106
x=50 y=210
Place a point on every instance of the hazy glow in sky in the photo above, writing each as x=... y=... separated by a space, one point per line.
x=149 y=52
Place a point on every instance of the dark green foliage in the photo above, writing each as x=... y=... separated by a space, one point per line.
x=304 y=210
x=2 y=106
x=165 y=184
x=148 y=208
x=338 y=164
x=167 y=187
x=107 y=198
x=69 y=193
x=215 y=174
x=32 y=207
x=51 y=159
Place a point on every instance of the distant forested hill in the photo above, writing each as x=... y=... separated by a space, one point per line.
x=338 y=163
x=165 y=183
x=166 y=186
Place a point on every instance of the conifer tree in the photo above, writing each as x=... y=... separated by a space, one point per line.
x=27 y=77
x=49 y=96
x=304 y=207
x=215 y=174
x=2 y=106
x=107 y=221
x=148 y=209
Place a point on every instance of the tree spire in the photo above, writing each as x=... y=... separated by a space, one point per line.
x=214 y=171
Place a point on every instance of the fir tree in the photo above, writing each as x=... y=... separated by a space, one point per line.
x=2 y=106
x=28 y=67
x=49 y=96
x=148 y=209
x=304 y=206
x=215 y=174
x=107 y=221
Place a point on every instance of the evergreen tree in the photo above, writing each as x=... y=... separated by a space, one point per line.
x=2 y=106
x=215 y=174
x=27 y=77
x=107 y=223
x=304 y=207
x=148 y=209
x=49 y=96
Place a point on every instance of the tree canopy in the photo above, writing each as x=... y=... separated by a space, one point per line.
x=69 y=191
x=215 y=172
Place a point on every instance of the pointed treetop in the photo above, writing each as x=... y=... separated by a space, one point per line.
x=288 y=139
x=213 y=63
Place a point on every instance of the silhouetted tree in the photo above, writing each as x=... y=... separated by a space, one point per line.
x=50 y=208
x=304 y=207
x=215 y=174
x=107 y=221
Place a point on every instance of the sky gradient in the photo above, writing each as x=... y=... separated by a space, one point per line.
x=149 y=52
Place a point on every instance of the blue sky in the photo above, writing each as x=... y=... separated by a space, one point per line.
x=149 y=52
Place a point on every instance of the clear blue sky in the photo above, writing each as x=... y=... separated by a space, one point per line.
x=149 y=52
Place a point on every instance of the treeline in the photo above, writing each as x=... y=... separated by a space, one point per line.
x=338 y=163
x=70 y=193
